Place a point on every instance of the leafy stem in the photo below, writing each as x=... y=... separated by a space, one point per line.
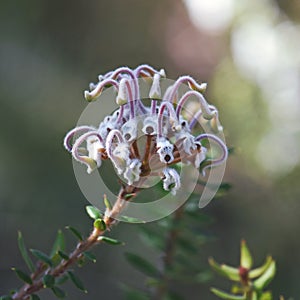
x=44 y=267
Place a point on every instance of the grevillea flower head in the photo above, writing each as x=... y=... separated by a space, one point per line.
x=165 y=121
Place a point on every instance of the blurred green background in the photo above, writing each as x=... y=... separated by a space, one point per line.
x=249 y=53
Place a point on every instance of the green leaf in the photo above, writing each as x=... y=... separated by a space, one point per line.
x=59 y=293
x=48 y=281
x=62 y=279
x=23 y=276
x=187 y=245
x=133 y=294
x=93 y=212
x=42 y=256
x=59 y=244
x=24 y=252
x=266 y=296
x=246 y=257
x=81 y=261
x=75 y=232
x=227 y=271
x=90 y=256
x=100 y=224
x=266 y=278
x=204 y=276
x=6 y=297
x=129 y=196
x=63 y=255
x=151 y=237
x=259 y=271
x=224 y=295
x=110 y=240
x=34 y=297
x=107 y=203
x=174 y=296
x=141 y=264
x=77 y=282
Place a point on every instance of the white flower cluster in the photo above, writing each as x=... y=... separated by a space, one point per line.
x=169 y=134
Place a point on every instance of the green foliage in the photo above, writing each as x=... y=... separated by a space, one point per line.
x=249 y=283
x=24 y=252
x=93 y=212
x=77 y=281
x=100 y=224
x=90 y=256
x=59 y=244
x=59 y=293
x=134 y=294
x=75 y=232
x=141 y=264
x=109 y=240
x=179 y=236
x=48 y=281
x=42 y=256
x=6 y=297
x=23 y=276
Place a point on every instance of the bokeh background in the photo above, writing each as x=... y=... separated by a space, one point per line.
x=249 y=53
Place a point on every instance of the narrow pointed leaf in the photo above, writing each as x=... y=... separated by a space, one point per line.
x=259 y=271
x=59 y=293
x=23 y=276
x=75 y=232
x=224 y=295
x=107 y=203
x=90 y=256
x=42 y=256
x=266 y=277
x=93 y=212
x=110 y=240
x=48 y=281
x=63 y=255
x=77 y=282
x=141 y=264
x=246 y=257
x=59 y=243
x=227 y=271
x=34 y=297
x=62 y=279
x=24 y=252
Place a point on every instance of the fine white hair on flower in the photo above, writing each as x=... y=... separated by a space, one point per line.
x=171 y=180
x=129 y=130
x=168 y=123
x=165 y=150
x=133 y=171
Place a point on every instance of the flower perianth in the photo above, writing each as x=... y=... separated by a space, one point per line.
x=205 y=109
x=223 y=157
x=70 y=135
x=96 y=92
x=181 y=80
x=94 y=159
x=173 y=118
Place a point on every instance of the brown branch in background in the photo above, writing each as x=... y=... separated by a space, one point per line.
x=169 y=254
